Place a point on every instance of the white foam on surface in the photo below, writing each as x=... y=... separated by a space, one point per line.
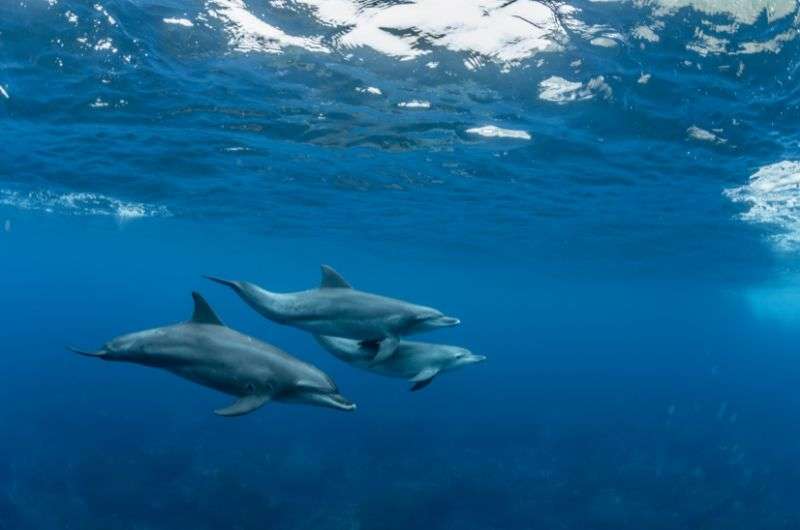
x=773 y=45
x=185 y=22
x=105 y=44
x=598 y=86
x=488 y=31
x=415 y=104
x=492 y=131
x=4 y=92
x=559 y=90
x=603 y=42
x=773 y=197
x=375 y=91
x=248 y=33
x=503 y=31
x=714 y=38
x=705 y=44
x=645 y=33
x=111 y=20
x=80 y=203
x=742 y=11
x=696 y=133
x=722 y=28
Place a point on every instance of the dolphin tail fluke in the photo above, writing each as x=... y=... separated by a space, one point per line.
x=99 y=353
x=230 y=283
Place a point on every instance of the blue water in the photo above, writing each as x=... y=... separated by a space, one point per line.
x=625 y=253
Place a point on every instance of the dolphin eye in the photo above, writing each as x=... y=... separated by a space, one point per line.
x=251 y=387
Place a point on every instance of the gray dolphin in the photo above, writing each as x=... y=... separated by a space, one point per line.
x=336 y=309
x=419 y=362
x=207 y=352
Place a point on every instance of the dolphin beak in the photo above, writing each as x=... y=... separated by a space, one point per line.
x=476 y=359
x=446 y=322
x=98 y=353
x=340 y=402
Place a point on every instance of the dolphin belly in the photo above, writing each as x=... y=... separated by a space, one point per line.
x=350 y=329
x=214 y=379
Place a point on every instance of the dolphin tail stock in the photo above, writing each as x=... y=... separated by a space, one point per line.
x=99 y=353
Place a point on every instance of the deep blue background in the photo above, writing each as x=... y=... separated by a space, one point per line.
x=641 y=339
x=606 y=402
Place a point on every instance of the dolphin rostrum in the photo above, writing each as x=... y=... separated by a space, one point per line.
x=418 y=362
x=207 y=352
x=336 y=309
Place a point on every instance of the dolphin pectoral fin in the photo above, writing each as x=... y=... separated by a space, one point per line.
x=245 y=405
x=421 y=384
x=424 y=375
x=332 y=279
x=423 y=379
x=386 y=349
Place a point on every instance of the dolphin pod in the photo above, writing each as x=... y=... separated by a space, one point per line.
x=336 y=309
x=360 y=328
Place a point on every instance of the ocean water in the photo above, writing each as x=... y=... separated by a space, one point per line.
x=606 y=193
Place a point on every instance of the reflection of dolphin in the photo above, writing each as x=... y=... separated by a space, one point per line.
x=338 y=310
x=207 y=352
x=419 y=362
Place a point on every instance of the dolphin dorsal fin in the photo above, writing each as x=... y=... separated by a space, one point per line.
x=332 y=279
x=203 y=314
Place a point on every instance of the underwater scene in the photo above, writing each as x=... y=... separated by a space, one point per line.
x=394 y=264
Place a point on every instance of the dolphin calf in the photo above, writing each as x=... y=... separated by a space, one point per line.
x=419 y=362
x=336 y=309
x=207 y=352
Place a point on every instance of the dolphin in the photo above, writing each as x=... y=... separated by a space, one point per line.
x=336 y=309
x=205 y=351
x=419 y=362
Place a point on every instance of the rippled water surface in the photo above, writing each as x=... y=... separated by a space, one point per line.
x=605 y=192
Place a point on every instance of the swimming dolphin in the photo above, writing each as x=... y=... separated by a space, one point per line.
x=419 y=362
x=336 y=309
x=207 y=352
